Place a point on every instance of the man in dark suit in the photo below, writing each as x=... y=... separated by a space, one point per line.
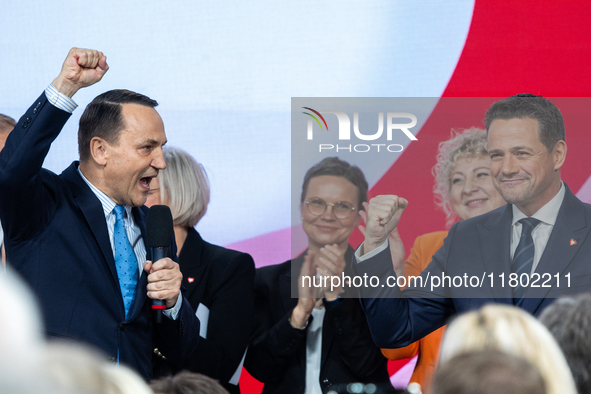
x=525 y=253
x=78 y=238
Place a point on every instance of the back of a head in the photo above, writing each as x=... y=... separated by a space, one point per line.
x=21 y=336
x=187 y=383
x=78 y=368
x=512 y=330
x=569 y=321
x=488 y=372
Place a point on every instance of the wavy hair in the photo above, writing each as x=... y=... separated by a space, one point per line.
x=466 y=143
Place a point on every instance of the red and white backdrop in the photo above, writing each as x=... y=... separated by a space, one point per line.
x=225 y=72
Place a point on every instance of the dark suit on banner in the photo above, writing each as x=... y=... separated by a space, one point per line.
x=57 y=239
x=478 y=247
x=277 y=354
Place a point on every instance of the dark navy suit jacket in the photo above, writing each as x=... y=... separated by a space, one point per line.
x=57 y=239
x=477 y=247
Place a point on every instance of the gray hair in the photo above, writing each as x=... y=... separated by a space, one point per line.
x=569 y=321
x=185 y=186
x=466 y=143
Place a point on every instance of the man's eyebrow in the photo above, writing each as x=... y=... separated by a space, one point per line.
x=149 y=141
x=521 y=148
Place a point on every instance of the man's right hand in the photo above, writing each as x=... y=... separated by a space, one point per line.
x=383 y=215
x=82 y=67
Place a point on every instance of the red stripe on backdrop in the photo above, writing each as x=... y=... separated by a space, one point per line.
x=512 y=47
x=533 y=46
x=529 y=46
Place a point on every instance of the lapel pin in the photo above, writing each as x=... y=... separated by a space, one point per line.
x=191 y=280
x=573 y=242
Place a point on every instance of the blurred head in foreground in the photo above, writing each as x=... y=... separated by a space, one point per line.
x=76 y=368
x=514 y=331
x=488 y=372
x=187 y=383
x=569 y=321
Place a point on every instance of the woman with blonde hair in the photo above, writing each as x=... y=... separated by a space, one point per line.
x=510 y=329
x=218 y=281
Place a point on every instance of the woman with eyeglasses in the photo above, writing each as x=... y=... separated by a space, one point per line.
x=320 y=339
x=218 y=281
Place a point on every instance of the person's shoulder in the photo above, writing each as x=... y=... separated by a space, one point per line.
x=488 y=219
x=430 y=238
x=226 y=255
x=274 y=270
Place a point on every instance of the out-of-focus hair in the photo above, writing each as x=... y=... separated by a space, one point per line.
x=337 y=167
x=184 y=185
x=6 y=123
x=569 y=321
x=463 y=144
x=514 y=331
x=21 y=329
x=187 y=383
x=488 y=372
x=77 y=368
x=525 y=105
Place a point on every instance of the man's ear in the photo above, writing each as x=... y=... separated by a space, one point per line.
x=559 y=154
x=99 y=150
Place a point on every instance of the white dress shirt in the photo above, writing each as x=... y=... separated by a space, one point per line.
x=314 y=352
x=547 y=216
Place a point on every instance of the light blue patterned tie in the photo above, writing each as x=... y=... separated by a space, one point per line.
x=125 y=260
x=524 y=256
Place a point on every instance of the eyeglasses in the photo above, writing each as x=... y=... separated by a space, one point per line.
x=341 y=209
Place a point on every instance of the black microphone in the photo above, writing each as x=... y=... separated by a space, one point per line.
x=159 y=233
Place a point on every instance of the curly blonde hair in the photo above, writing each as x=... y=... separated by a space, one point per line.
x=462 y=144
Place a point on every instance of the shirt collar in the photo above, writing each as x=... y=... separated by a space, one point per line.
x=548 y=213
x=107 y=203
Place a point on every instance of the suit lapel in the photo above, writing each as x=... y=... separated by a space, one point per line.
x=495 y=238
x=92 y=210
x=571 y=224
x=192 y=266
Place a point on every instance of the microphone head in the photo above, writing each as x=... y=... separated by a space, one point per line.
x=159 y=226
